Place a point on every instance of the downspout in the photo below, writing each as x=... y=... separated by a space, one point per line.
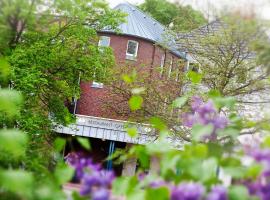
x=75 y=99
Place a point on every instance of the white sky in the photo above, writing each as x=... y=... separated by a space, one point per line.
x=260 y=7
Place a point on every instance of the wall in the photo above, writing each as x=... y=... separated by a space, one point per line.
x=149 y=55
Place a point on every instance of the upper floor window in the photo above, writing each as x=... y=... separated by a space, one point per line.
x=97 y=84
x=104 y=41
x=132 y=49
x=162 y=63
x=170 y=68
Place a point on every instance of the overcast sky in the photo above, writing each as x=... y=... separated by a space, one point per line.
x=261 y=7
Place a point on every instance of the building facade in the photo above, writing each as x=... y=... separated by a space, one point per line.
x=140 y=41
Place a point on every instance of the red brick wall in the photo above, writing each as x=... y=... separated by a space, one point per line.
x=148 y=55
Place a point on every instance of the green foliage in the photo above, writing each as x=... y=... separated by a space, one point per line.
x=183 y=18
x=135 y=102
x=84 y=142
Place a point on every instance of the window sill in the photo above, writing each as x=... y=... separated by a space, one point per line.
x=97 y=85
x=131 y=58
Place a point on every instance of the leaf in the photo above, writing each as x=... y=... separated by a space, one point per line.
x=63 y=173
x=124 y=185
x=135 y=102
x=13 y=141
x=132 y=131
x=84 y=142
x=179 y=102
x=17 y=181
x=127 y=78
x=135 y=195
x=59 y=144
x=161 y=193
x=213 y=94
x=238 y=193
x=158 y=123
x=194 y=77
x=199 y=131
x=10 y=100
x=229 y=132
x=228 y=102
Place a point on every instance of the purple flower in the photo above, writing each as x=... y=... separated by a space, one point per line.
x=95 y=182
x=187 y=191
x=196 y=102
x=220 y=122
x=260 y=155
x=158 y=183
x=205 y=114
x=102 y=194
x=218 y=193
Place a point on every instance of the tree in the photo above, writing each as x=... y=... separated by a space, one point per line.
x=182 y=18
x=224 y=52
x=49 y=50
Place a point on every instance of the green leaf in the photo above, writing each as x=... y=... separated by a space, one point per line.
x=228 y=102
x=199 y=131
x=213 y=94
x=135 y=102
x=228 y=132
x=158 y=123
x=59 y=144
x=132 y=131
x=10 y=101
x=179 y=102
x=194 y=77
x=127 y=78
x=253 y=171
x=13 y=141
x=238 y=193
x=124 y=185
x=17 y=181
x=84 y=142
x=161 y=193
x=266 y=142
x=135 y=195
x=63 y=173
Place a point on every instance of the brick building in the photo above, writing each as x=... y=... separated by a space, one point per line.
x=141 y=40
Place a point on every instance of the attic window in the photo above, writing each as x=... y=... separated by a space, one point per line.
x=132 y=50
x=104 y=41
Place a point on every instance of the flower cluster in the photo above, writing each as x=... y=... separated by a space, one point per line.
x=95 y=182
x=261 y=186
x=205 y=114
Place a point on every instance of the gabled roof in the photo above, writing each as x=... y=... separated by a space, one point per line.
x=141 y=25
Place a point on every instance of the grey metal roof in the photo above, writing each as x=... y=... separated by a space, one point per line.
x=143 y=26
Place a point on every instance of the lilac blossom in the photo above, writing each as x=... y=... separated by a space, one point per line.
x=261 y=186
x=95 y=182
x=205 y=114
x=218 y=193
x=187 y=191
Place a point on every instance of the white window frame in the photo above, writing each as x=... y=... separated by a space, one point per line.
x=162 y=63
x=97 y=85
x=136 y=50
x=100 y=40
x=170 y=67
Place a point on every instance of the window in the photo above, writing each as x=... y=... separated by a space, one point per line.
x=97 y=85
x=170 y=68
x=132 y=49
x=104 y=41
x=194 y=67
x=162 y=64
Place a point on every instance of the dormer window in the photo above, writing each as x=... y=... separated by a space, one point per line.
x=132 y=50
x=104 y=41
